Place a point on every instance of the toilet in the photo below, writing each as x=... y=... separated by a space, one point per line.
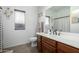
x=33 y=41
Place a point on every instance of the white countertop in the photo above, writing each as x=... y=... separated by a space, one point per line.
x=72 y=41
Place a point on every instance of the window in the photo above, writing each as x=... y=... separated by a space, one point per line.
x=19 y=20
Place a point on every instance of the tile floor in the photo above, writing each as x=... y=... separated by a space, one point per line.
x=25 y=48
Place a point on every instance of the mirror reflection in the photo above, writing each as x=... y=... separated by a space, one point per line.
x=63 y=18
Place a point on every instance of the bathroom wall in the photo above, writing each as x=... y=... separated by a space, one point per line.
x=12 y=37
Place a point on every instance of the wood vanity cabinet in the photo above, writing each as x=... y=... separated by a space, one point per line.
x=64 y=48
x=48 y=45
x=39 y=43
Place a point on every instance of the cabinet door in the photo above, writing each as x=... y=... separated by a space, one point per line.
x=66 y=48
x=46 y=48
x=60 y=51
x=39 y=43
x=49 y=41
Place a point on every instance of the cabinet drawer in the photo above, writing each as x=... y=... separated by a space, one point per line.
x=49 y=41
x=48 y=48
x=66 y=48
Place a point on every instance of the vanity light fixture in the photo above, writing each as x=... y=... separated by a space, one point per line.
x=8 y=12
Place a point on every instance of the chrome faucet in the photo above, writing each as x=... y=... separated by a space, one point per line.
x=55 y=32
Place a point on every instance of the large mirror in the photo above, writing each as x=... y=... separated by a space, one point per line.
x=63 y=18
x=74 y=19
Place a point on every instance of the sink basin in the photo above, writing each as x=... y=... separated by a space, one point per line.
x=62 y=37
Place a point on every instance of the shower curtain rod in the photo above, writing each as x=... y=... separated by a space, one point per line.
x=61 y=17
